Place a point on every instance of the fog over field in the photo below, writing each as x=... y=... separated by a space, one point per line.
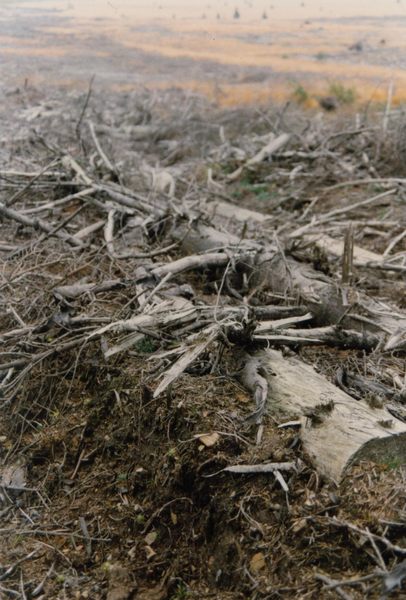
x=248 y=8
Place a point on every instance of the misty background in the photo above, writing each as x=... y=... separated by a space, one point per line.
x=248 y=8
x=232 y=51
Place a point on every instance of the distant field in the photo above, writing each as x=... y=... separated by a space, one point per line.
x=232 y=61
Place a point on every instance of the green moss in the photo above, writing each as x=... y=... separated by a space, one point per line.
x=228 y=168
x=247 y=187
x=394 y=464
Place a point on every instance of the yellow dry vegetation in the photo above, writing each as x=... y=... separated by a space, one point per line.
x=310 y=55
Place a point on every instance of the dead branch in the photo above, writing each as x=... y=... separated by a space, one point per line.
x=39 y=224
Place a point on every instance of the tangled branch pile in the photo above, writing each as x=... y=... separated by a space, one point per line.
x=262 y=250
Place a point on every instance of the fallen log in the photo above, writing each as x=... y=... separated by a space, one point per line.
x=269 y=268
x=331 y=303
x=362 y=257
x=337 y=431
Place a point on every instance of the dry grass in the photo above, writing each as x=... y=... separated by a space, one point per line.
x=314 y=55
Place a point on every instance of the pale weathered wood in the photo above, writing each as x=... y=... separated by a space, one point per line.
x=237 y=213
x=362 y=257
x=37 y=223
x=345 y=432
x=329 y=336
x=270 y=269
x=188 y=263
x=260 y=468
x=326 y=301
x=176 y=310
x=187 y=358
x=270 y=148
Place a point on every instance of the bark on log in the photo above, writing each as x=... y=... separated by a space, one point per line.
x=337 y=431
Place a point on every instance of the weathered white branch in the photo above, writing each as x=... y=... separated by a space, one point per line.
x=187 y=263
x=260 y=468
x=362 y=257
x=37 y=223
x=266 y=152
x=187 y=358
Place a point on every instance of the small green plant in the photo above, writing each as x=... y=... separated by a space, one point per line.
x=146 y=346
x=106 y=567
x=140 y=519
x=260 y=190
x=321 y=55
x=300 y=94
x=18 y=540
x=249 y=178
x=228 y=168
x=181 y=592
x=345 y=95
x=172 y=453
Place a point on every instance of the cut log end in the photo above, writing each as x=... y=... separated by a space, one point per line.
x=327 y=448
x=389 y=450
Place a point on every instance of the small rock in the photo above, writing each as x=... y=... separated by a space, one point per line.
x=209 y=439
x=14 y=476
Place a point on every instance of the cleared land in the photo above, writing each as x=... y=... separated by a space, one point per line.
x=231 y=61
x=202 y=321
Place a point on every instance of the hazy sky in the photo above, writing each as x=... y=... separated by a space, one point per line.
x=249 y=9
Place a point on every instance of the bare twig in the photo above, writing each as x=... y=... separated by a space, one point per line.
x=39 y=224
x=100 y=150
x=85 y=105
